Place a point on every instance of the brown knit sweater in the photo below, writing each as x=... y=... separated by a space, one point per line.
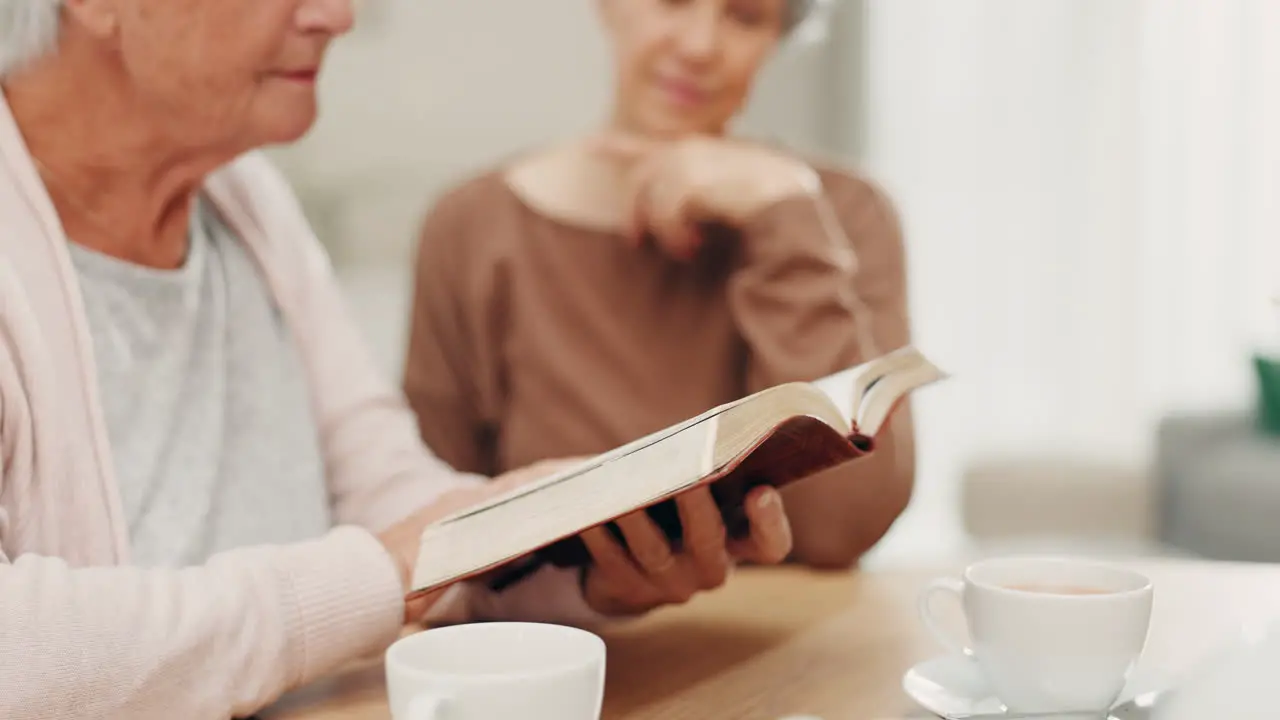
x=532 y=338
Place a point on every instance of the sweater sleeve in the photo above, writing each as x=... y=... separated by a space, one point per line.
x=823 y=287
x=216 y=641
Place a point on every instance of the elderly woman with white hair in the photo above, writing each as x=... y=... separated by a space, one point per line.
x=207 y=496
x=587 y=294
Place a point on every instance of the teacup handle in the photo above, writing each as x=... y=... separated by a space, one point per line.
x=425 y=707
x=950 y=586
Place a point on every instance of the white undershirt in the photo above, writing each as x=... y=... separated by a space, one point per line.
x=206 y=402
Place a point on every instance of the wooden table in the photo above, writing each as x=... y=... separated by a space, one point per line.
x=783 y=641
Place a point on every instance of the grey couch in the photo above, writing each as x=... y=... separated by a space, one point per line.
x=1218 y=487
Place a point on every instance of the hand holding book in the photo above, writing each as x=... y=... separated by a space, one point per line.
x=642 y=571
x=648 y=571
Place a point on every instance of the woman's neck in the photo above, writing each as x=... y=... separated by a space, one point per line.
x=119 y=185
x=578 y=185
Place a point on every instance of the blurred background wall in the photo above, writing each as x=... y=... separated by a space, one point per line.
x=1088 y=188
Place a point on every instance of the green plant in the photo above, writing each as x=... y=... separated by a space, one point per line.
x=1268 y=372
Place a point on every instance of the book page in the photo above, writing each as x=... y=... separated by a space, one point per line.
x=848 y=388
x=840 y=389
x=888 y=391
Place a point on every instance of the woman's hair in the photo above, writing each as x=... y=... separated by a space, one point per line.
x=801 y=14
x=797 y=10
x=28 y=30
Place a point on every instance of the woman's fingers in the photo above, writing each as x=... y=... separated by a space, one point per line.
x=704 y=537
x=661 y=203
x=770 y=540
x=613 y=570
x=647 y=572
x=643 y=187
x=668 y=216
x=651 y=551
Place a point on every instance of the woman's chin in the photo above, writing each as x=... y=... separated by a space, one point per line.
x=287 y=127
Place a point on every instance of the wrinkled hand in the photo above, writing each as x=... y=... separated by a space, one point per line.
x=674 y=185
x=402 y=539
x=647 y=573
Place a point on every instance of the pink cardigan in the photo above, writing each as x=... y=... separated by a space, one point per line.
x=84 y=634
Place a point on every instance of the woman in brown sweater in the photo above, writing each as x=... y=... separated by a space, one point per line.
x=584 y=295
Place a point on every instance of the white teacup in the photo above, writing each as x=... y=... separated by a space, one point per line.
x=1051 y=635
x=484 y=671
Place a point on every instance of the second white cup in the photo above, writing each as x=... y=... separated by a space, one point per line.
x=485 y=671
x=1050 y=634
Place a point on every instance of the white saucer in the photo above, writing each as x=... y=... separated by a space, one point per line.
x=953 y=685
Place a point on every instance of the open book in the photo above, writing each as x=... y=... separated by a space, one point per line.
x=775 y=436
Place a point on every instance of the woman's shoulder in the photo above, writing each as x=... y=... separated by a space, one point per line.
x=852 y=192
x=549 y=182
x=849 y=187
x=488 y=196
x=860 y=201
x=469 y=200
x=472 y=223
